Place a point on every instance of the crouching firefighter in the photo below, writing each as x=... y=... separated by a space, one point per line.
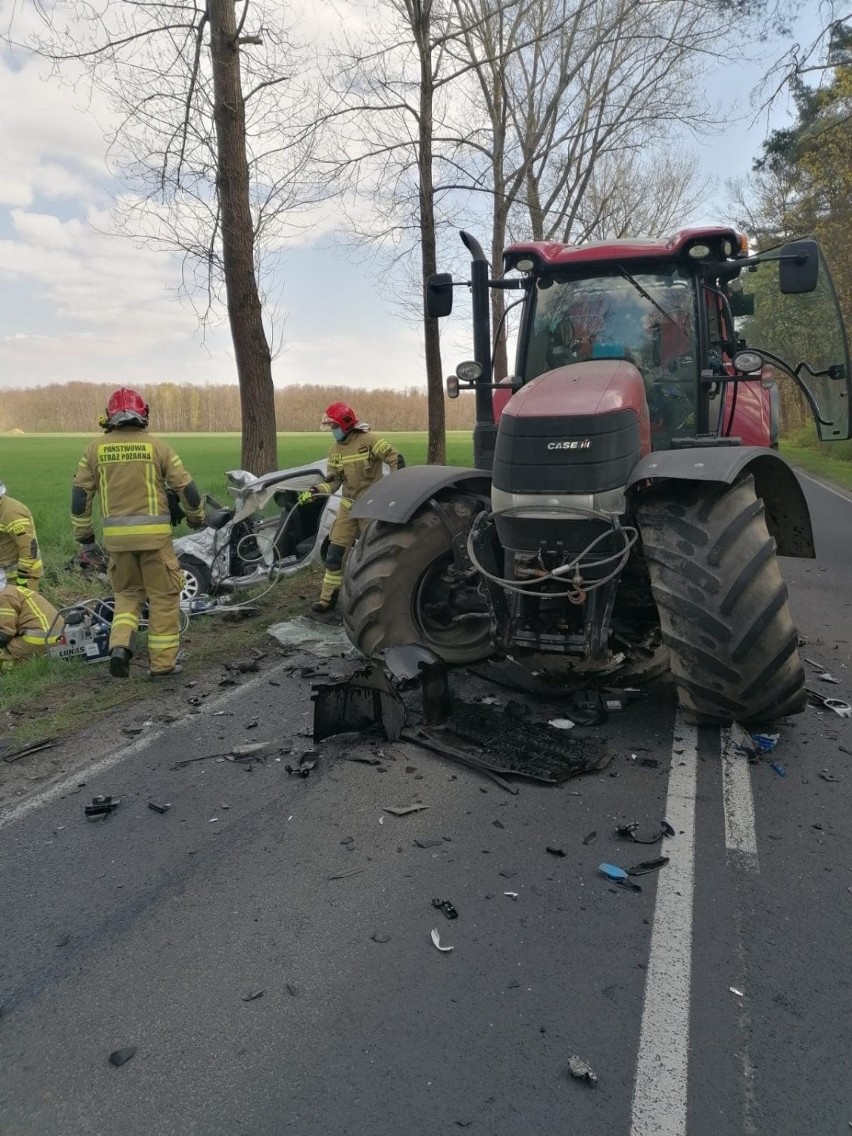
x=132 y=472
x=354 y=462
x=28 y=624
x=19 y=554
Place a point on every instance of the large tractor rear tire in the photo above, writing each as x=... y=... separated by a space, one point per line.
x=396 y=591
x=722 y=603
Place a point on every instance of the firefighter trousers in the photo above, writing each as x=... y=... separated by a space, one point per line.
x=17 y=651
x=152 y=575
x=344 y=532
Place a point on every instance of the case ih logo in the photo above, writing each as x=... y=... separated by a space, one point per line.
x=574 y=444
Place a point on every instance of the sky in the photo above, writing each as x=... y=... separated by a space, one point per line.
x=79 y=303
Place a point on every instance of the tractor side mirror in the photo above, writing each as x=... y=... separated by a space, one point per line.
x=439 y=295
x=453 y=386
x=799 y=267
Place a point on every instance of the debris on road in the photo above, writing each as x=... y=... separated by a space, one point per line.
x=122 y=1056
x=344 y=875
x=582 y=1071
x=561 y=723
x=101 y=806
x=403 y=810
x=842 y=709
x=158 y=807
x=33 y=747
x=618 y=876
x=753 y=745
x=556 y=851
x=447 y=908
x=436 y=939
x=427 y=842
x=304 y=767
x=629 y=832
x=646 y=866
x=738 y=993
x=253 y=996
x=826 y=776
x=380 y=937
x=590 y=837
x=779 y=769
x=357 y=703
x=320 y=639
x=826 y=677
x=511 y=894
x=474 y=761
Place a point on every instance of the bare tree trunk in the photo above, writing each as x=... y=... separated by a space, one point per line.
x=251 y=348
x=421 y=19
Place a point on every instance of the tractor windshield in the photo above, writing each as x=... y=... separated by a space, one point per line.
x=804 y=331
x=648 y=318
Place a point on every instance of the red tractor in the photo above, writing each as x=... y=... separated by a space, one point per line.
x=627 y=507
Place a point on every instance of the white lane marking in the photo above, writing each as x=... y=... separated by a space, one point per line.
x=53 y=792
x=740 y=833
x=843 y=496
x=662 y=1066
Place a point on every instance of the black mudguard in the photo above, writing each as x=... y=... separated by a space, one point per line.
x=787 y=516
x=399 y=495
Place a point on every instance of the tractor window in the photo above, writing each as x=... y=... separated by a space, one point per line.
x=647 y=318
x=802 y=328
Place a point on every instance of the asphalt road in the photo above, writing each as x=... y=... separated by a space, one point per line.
x=715 y=1002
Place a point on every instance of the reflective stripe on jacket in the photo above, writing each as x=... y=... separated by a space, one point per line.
x=29 y=615
x=130 y=470
x=356 y=464
x=19 y=553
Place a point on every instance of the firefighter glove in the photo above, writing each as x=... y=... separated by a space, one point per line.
x=307 y=495
x=196 y=522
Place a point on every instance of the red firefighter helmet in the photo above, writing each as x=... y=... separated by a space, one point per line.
x=339 y=414
x=126 y=407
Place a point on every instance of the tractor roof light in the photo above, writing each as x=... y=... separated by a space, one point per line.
x=697 y=252
x=525 y=264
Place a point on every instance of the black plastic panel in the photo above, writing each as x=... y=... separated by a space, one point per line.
x=578 y=454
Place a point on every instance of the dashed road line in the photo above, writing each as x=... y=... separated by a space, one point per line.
x=740 y=833
x=662 y=1067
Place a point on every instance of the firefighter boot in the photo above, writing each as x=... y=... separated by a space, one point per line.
x=119 y=662
x=323 y=606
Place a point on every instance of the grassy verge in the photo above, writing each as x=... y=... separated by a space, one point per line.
x=836 y=470
x=45 y=698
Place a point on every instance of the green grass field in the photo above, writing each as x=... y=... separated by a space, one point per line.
x=38 y=469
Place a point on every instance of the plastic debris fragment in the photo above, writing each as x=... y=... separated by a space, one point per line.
x=765 y=743
x=447 y=908
x=826 y=677
x=582 y=1071
x=646 y=866
x=561 y=723
x=253 y=995
x=511 y=894
x=158 y=807
x=403 y=810
x=123 y=1055
x=380 y=937
x=555 y=851
x=779 y=769
x=101 y=806
x=436 y=939
x=738 y=993
x=618 y=876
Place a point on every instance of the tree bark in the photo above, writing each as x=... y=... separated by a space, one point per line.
x=421 y=19
x=251 y=347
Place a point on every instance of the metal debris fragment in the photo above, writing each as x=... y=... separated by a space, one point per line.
x=158 y=807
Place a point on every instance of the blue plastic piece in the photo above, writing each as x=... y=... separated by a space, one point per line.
x=779 y=769
x=612 y=872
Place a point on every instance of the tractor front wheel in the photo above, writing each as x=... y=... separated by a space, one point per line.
x=401 y=586
x=733 y=646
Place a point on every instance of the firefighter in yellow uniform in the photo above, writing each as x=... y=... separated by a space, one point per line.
x=19 y=555
x=28 y=624
x=132 y=471
x=354 y=462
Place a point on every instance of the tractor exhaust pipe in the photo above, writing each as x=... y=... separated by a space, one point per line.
x=484 y=431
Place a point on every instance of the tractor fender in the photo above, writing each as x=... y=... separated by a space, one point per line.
x=398 y=496
x=787 y=516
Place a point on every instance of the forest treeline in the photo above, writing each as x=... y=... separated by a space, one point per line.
x=74 y=408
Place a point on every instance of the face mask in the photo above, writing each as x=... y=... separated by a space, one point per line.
x=339 y=433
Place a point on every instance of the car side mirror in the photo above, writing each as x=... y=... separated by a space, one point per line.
x=799 y=267
x=439 y=295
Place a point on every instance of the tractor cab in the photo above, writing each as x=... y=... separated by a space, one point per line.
x=708 y=327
